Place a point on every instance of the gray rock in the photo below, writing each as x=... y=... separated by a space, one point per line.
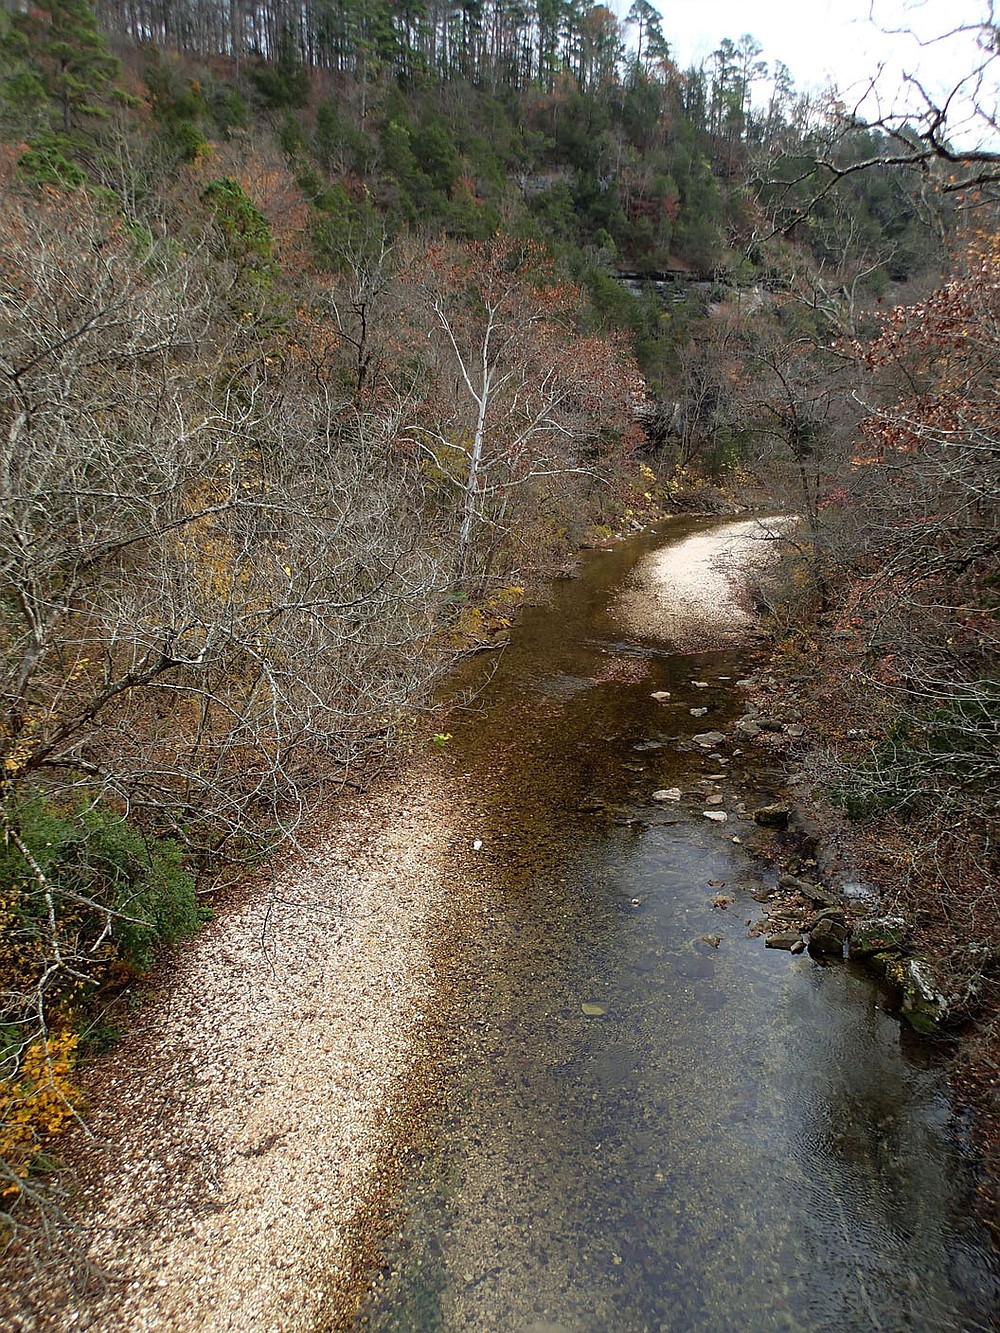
x=795 y=729
x=814 y=892
x=880 y=934
x=709 y=739
x=769 y=723
x=772 y=816
x=747 y=727
x=784 y=939
x=667 y=794
x=829 y=914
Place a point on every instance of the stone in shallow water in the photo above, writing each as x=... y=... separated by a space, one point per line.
x=661 y=696
x=667 y=794
x=772 y=816
x=709 y=739
x=719 y=816
x=784 y=939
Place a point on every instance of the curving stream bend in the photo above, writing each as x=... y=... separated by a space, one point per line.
x=650 y=1123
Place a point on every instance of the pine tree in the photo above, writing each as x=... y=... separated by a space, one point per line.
x=77 y=69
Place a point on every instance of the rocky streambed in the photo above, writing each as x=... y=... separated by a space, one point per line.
x=648 y=1119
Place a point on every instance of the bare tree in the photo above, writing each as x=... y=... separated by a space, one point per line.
x=215 y=589
x=516 y=398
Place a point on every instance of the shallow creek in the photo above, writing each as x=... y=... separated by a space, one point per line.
x=641 y=1129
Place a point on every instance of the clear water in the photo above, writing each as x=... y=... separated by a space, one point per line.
x=727 y=1137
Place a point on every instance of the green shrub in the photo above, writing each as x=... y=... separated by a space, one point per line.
x=107 y=881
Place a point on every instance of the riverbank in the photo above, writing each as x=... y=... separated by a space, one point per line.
x=236 y=1136
x=873 y=860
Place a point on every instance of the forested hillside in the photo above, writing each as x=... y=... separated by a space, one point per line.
x=315 y=343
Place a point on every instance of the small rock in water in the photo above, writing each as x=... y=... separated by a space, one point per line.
x=697 y=712
x=714 y=800
x=772 y=816
x=667 y=794
x=700 y=684
x=477 y=845
x=593 y=1010
x=661 y=696
x=708 y=740
x=719 y=816
x=713 y=940
x=785 y=939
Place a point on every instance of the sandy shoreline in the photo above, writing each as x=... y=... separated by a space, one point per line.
x=238 y=1127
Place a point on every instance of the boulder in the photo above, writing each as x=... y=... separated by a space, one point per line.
x=923 y=1002
x=880 y=934
x=828 y=935
x=784 y=939
x=772 y=816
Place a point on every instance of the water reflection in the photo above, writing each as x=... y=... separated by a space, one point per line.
x=654 y=1123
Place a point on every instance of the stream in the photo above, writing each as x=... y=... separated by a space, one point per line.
x=649 y=1122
